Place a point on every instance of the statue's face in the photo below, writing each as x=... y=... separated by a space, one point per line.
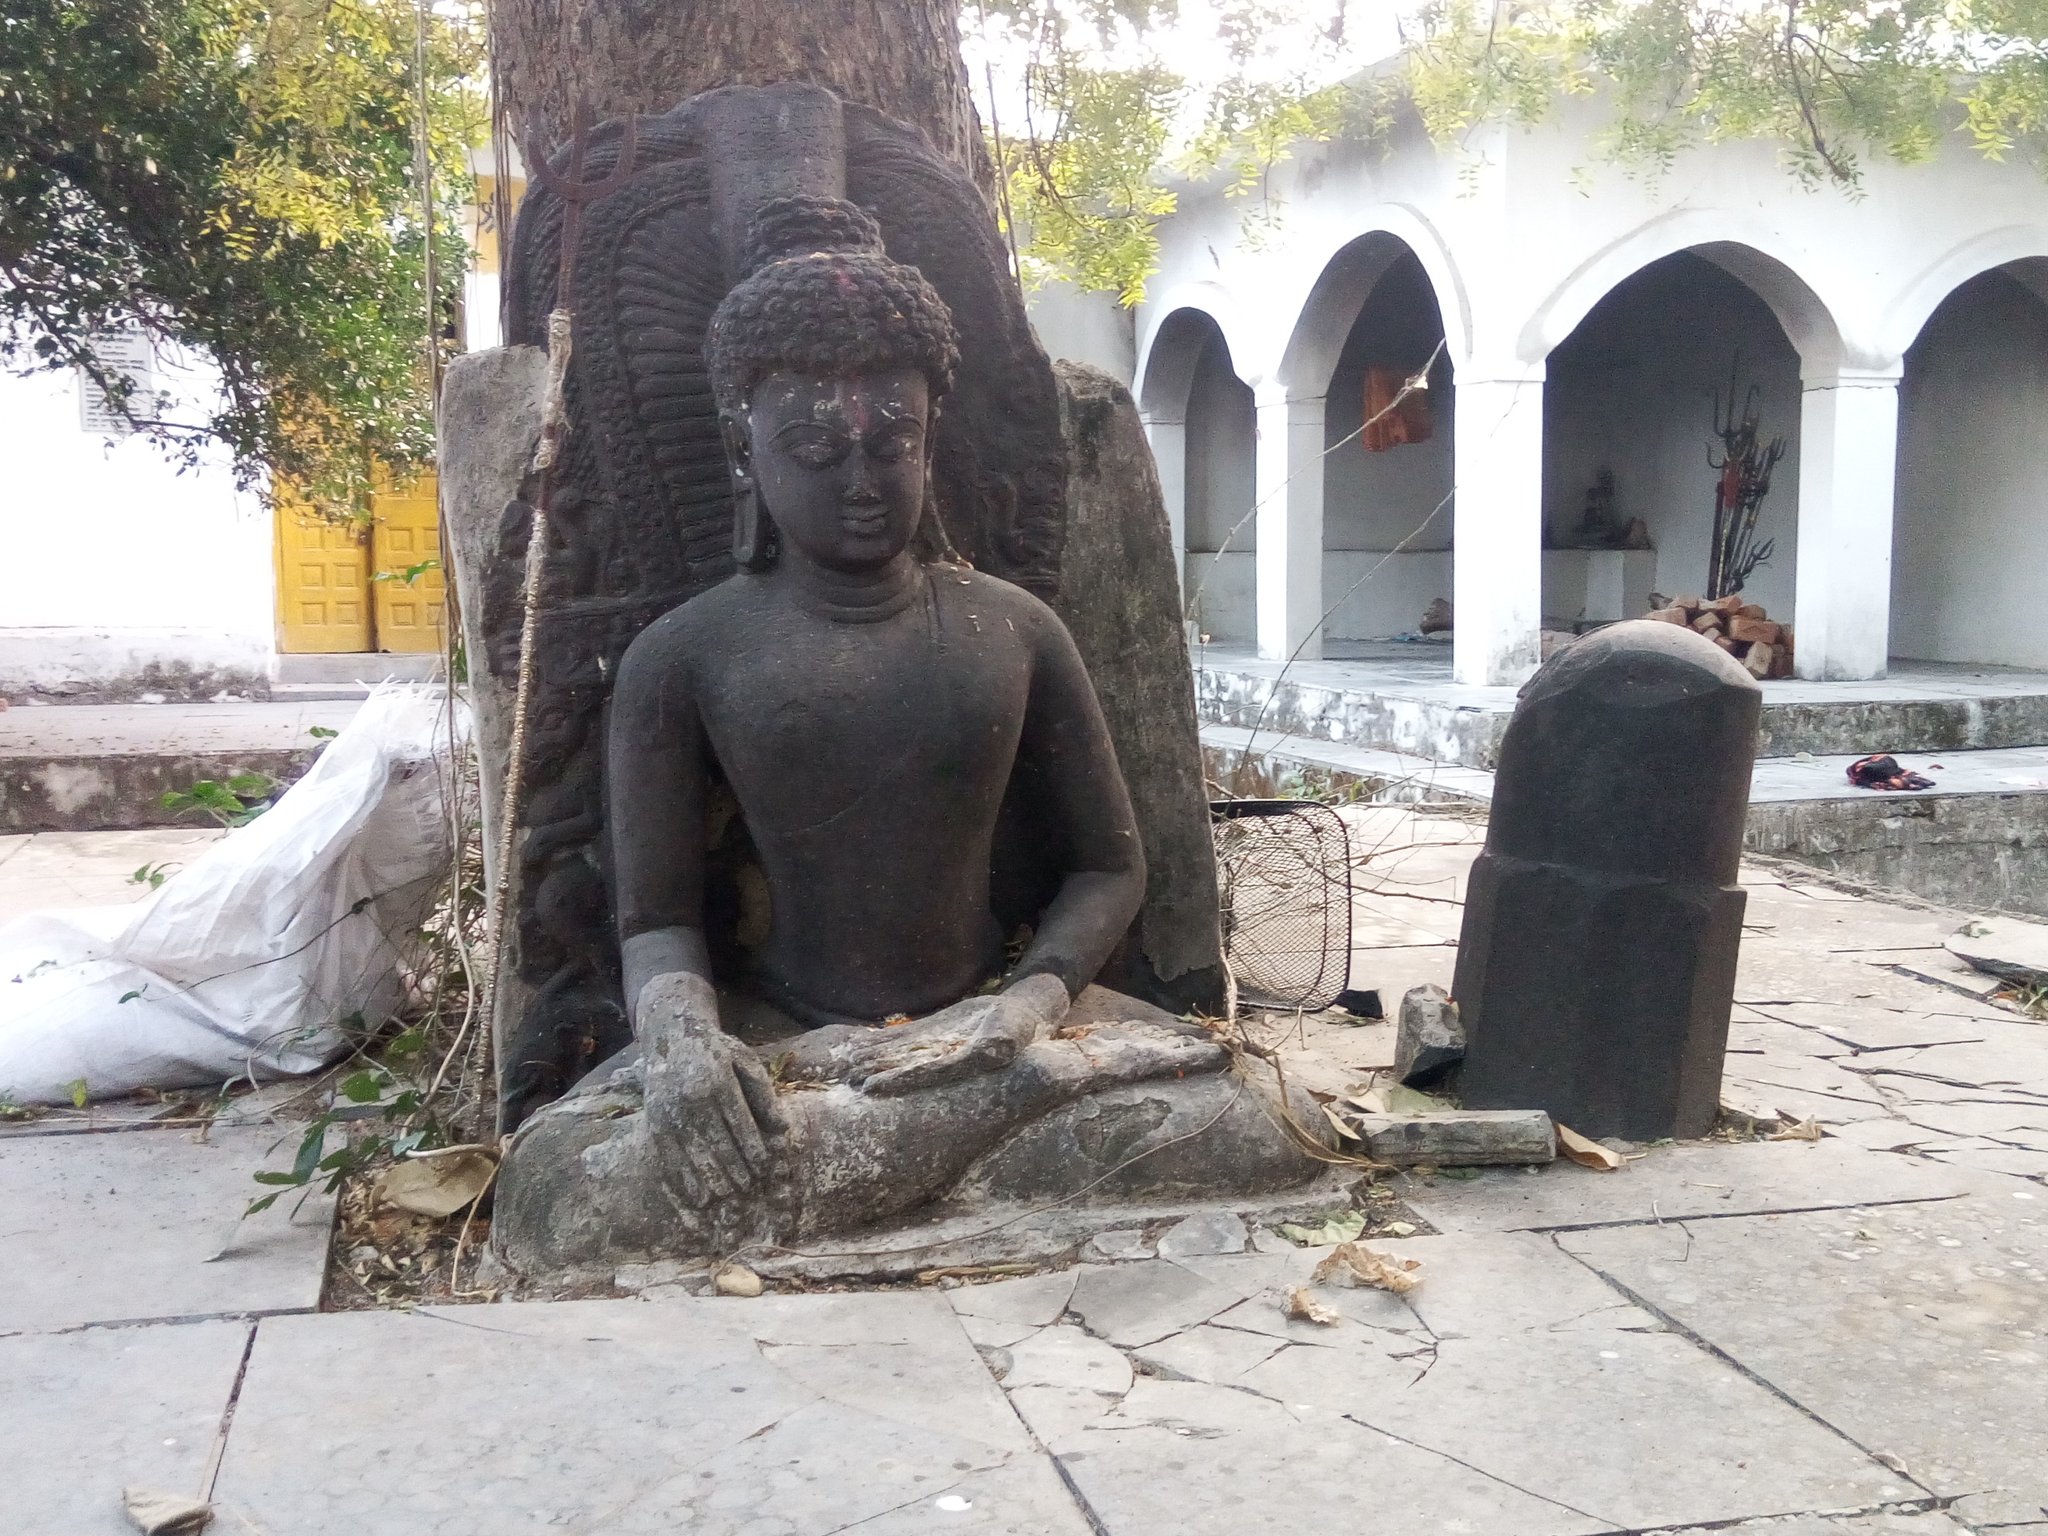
x=840 y=464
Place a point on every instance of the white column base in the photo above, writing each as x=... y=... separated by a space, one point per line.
x=1288 y=492
x=1842 y=589
x=1497 y=540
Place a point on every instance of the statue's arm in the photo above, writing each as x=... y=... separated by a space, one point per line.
x=1066 y=742
x=655 y=765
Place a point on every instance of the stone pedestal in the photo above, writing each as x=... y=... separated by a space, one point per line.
x=1596 y=968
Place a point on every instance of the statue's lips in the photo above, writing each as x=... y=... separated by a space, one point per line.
x=864 y=520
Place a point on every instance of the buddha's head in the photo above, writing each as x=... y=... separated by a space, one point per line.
x=829 y=361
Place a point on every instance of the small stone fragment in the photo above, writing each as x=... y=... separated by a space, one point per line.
x=1758 y=662
x=737 y=1280
x=1430 y=1039
x=1673 y=615
x=2006 y=947
x=1465 y=1138
x=1202 y=1235
x=1707 y=622
x=1116 y=1247
x=1759 y=629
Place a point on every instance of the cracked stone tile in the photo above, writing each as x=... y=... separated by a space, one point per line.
x=1202 y=1234
x=1884 y=1135
x=803 y=1416
x=2020 y=1162
x=133 y=1225
x=1263 y=1280
x=1234 y=1461
x=1872 y=1523
x=1685 y=1180
x=2022 y=1067
x=2024 y=1124
x=1131 y=1304
x=987 y=1333
x=87 y=1413
x=1033 y=1299
x=1919 y=1331
x=2010 y=1512
x=1532 y=1408
x=1065 y=1356
x=1763 y=1094
x=1213 y=1354
x=1485 y=1285
x=1120 y=1247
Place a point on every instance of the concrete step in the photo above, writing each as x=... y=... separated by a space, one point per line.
x=1978 y=839
x=105 y=767
x=357 y=667
x=1410 y=705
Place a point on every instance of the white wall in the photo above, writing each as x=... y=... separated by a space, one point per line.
x=1079 y=327
x=117 y=562
x=1221 y=460
x=1970 y=545
x=1631 y=390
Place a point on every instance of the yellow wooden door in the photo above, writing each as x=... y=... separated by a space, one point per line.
x=407 y=586
x=323 y=583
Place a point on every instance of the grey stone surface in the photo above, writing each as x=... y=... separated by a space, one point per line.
x=1206 y=1232
x=1919 y=1331
x=1120 y=597
x=1116 y=1247
x=130 y=1225
x=1461 y=1138
x=1893 y=1522
x=806 y=1415
x=1431 y=1039
x=1033 y=1299
x=1688 y=1180
x=87 y=1413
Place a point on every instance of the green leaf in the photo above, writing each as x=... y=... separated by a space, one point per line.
x=321 y=732
x=129 y=997
x=79 y=1096
x=362 y=1088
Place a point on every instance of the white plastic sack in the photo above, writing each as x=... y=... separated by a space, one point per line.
x=248 y=962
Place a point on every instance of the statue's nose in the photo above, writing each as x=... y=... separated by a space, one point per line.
x=861 y=486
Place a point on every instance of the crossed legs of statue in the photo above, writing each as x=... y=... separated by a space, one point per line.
x=848 y=1127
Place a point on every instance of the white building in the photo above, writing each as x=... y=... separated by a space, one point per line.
x=1898 y=340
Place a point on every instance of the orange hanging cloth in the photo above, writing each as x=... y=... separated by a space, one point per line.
x=1391 y=425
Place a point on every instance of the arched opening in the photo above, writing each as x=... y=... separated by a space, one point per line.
x=1204 y=433
x=1970 y=524
x=1635 y=399
x=1387 y=521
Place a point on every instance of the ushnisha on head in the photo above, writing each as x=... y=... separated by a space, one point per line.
x=829 y=361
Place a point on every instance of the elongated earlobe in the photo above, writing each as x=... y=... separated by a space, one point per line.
x=753 y=530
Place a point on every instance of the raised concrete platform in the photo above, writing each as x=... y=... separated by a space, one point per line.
x=349 y=675
x=1400 y=697
x=92 y=767
x=1978 y=839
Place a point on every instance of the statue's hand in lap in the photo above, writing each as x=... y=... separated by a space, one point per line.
x=975 y=1035
x=708 y=1096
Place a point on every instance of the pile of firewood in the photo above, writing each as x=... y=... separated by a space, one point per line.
x=1740 y=628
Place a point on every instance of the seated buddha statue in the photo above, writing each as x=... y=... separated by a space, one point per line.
x=866 y=701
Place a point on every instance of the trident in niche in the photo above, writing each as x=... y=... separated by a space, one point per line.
x=577 y=193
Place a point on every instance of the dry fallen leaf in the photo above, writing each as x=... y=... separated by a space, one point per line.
x=1799 y=1130
x=1348 y=1132
x=737 y=1280
x=438 y=1184
x=164 y=1514
x=1586 y=1152
x=1362 y=1266
x=1368 y=1102
x=1303 y=1307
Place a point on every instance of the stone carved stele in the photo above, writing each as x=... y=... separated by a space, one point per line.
x=879 y=1003
x=641 y=518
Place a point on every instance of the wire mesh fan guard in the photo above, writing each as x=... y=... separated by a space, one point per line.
x=1284 y=868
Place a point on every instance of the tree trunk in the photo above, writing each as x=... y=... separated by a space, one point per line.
x=899 y=56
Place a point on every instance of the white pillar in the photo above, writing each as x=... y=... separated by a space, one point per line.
x=1169 y=440
x=1842 y=587
x=1288 y=492
x=1497 y=534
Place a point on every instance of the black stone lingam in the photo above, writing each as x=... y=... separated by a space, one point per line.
x=1596 y=966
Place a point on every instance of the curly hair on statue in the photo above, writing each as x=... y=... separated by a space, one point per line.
x=820 y=296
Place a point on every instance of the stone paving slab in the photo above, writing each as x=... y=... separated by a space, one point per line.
x=799 y=1415
x=1687 y=1180
x=1919 y=1331
x=132 y=1225
x=1505 y=1394
x=85 y=1414
x=40 y=870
